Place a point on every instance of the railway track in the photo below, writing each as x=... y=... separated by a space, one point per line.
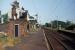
x=59 y=41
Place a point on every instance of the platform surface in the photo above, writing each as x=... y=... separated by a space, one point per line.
x=33 y=41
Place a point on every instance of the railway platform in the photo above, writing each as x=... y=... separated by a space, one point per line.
x=33 y=41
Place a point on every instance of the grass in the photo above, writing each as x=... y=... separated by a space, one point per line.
x=8 y=42
x=11 y=41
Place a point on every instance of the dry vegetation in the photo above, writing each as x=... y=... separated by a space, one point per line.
x=6 y=41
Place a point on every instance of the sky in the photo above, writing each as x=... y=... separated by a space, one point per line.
x=47 y=10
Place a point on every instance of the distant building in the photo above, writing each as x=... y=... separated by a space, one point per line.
x=3 y=26
x=32 y=24
x=1 y=19
x=0 y=16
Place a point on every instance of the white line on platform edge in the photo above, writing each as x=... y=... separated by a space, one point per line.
x=46 y=41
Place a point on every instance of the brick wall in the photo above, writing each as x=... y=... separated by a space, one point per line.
x=22 y=28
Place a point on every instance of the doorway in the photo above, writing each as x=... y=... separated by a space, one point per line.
x=16 y=30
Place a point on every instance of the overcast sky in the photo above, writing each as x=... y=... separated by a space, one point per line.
x=47 y=10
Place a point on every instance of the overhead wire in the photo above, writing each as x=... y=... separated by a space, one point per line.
x=35 y=9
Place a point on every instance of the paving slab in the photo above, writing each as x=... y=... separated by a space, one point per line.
x=33 y=41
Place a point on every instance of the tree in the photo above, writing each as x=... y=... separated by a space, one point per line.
x=57 y=23
x=47 y=24
x=68 y=23
x=5 y=16
x=70 y=27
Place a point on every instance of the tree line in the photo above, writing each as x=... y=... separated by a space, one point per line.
x=60 y=24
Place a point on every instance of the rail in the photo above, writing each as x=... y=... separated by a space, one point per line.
x=60 y=40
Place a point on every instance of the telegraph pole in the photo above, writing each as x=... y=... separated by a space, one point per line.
x=51 y=25
x=0 y=13
x=57 y=23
